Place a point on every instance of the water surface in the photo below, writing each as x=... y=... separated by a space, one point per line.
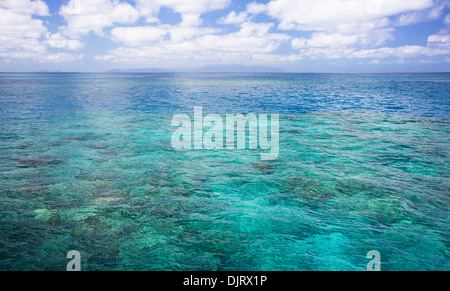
x=86 y=164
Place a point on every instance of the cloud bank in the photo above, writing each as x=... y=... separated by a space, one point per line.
x=221 y=31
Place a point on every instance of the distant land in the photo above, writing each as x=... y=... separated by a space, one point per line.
x=237 y=69
x=47 y=71
x=205 y=69
x=145 y=70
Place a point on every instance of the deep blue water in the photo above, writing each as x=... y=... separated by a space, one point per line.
x=86 y=164
x=424 y=95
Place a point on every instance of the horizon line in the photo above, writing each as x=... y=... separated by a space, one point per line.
x=219 y=72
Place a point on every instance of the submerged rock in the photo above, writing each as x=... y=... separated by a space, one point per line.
x=110 y=199
x=98 y=177
x=81 y=137
x=43 y=215
x=309 y=192
x=409 y=205
x=92 y=220
x=294 y=130
x=77 y=214
x=351 y=187
x=39 y=162
x=34 y=189
x=98 y=146
x=304 y=186
x=162 y=212
x=264 y=167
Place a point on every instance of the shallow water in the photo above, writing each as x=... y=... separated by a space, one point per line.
x=86 y=164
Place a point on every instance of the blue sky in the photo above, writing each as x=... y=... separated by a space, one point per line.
x=294 y=35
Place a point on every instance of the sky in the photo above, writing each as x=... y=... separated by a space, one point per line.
x=292 y=35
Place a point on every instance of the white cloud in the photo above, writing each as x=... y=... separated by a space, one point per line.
x=253 y=37
x=439 y=41
x=401 y=52
x=32 y=49
x=321 y=39
x=84 y=16
x=427 y=62
x=20 y=47
x=181 y=33
x=23 y=37
x=350 y=28
x=190 y=10
x=362 y=39
x=322 y=46
x=194 y=6
x=60 y=57
x=162 y=38
x=255 y=8
x=104 y=58
x=317 y=29
x=234 y=18
x=355 y=28
x=135 y=36
x=17 y=25
x=20 y=33
x=326 y=14
x=252 y=9
x=57 y=40
x=404 y=51
x=251 y=40
x=149 y=9
x=414 y=17
x=408 y=19
x=447 y=19
x=26 y=7
x=299 y=43
x=376 y=53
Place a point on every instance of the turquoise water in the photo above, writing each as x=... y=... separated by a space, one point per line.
x=86 y=164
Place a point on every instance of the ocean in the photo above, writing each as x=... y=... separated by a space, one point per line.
x=87 y=164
